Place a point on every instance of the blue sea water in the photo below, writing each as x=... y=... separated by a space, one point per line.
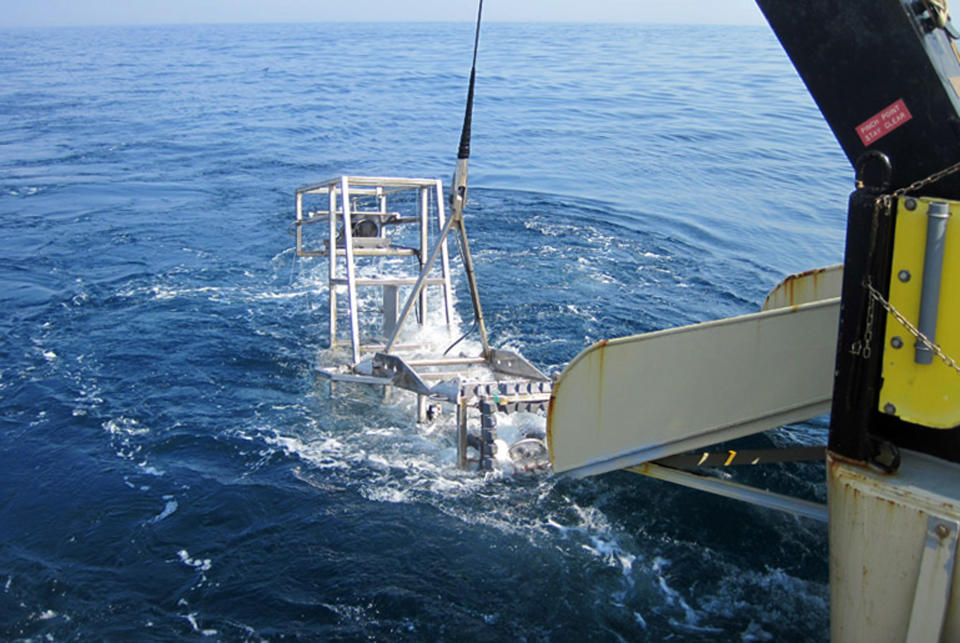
x=171 y=468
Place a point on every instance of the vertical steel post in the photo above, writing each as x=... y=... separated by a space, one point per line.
x=332 y=252
x=424 y=199
x=461 y=431
x=299 y=222
x=351 y=272
x=382 y=202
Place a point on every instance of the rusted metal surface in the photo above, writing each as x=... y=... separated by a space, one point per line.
x=806 y=287
x=879 y=526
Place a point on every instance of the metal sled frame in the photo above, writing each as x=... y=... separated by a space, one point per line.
x=495 y=381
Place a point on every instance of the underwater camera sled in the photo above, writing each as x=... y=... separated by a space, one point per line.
x=390 y=236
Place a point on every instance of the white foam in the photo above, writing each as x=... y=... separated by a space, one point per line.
x=192 y=618
x=125 y=426
x=202 y=564
x=150 y=470
x=168 y=509
x=755 y=633
x=327 y=453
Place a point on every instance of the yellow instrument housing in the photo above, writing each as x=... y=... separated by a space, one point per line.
x=924 y=394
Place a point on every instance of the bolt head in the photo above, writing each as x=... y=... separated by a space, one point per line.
x=889 y=409
x=910 y=203
x=896 y=342
x=942 y=531
x=904 y=276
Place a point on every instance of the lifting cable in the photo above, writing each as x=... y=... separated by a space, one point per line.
x=458 y=193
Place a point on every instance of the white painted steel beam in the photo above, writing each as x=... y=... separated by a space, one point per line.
x=635 y=399
x=734 y=490
x=934 y=582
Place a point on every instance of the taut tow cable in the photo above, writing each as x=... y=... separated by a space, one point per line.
x=458 y=192
x=458 y=198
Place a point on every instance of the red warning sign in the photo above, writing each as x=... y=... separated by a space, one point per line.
x=881 y=124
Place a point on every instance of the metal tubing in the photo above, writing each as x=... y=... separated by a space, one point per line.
x=382 y=202
x=446 y=361
x=424 y=247
x=444 y=257
x=461 y=434
x=351 y=276
x=937 y=217
x=458 y=198
x=736 y=491
x=332 y=243
x=299 y=222
x=472 y=283
x=421 y=408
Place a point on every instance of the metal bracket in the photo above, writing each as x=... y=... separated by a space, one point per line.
x=402 y=375
x=934 y=581
x=510 y=363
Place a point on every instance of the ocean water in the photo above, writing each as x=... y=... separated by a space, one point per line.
x=172 y=469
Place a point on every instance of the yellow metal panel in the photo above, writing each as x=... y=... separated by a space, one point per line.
x=925 y=394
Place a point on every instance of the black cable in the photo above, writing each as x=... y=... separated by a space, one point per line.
x=464 y=151
x=472 y=328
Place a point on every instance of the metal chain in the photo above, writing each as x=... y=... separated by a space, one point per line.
x=875 y=296
x=884 y=205
x=868 y=333
x=884 y=202
x=933 y=178
x=863 y=347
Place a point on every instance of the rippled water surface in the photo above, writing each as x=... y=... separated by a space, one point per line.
x=172 y=469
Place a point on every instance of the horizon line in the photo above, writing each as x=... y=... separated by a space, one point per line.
x=373 y=21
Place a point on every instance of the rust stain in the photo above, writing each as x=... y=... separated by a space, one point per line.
x=790 y=287
x=553 y=397
x=602 y=347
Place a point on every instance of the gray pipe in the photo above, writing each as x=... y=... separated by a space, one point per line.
x=937 y=217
